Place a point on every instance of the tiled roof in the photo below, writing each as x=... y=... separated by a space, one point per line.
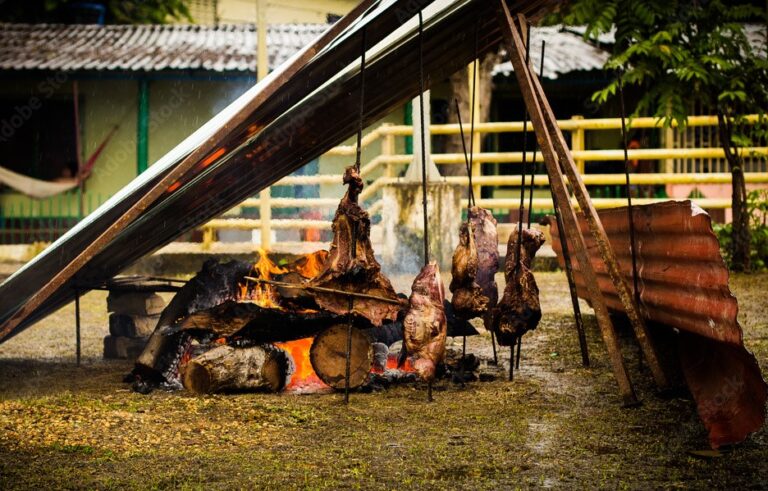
x=223 y=48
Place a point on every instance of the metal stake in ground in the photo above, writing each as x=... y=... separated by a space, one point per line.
x=423 y=160
x=358 y=153
x=77 y=326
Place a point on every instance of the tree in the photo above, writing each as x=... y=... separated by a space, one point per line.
x=117 y=11
x=681 y=52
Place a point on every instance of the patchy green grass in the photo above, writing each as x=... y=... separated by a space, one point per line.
x=556 y=425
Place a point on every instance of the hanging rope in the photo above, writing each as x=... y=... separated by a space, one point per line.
x=423 y=140
x=533 y=162
x=351 y=304
x=630 y=217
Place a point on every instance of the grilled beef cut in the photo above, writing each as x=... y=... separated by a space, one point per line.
x=351 y=266
x=468 y=300
x=425 y=325
x=475 y=263
x=519 y=310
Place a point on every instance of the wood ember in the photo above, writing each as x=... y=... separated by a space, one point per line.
x=328 y=356
x=258 y=324
x=228 y=369
x=351 y=265
x=425 y=324
x=519 y=310
x=214 y=284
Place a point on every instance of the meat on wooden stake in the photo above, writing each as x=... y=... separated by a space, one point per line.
x=519 y=310
x=351 y=266
x=475 y=263
x=425 y=325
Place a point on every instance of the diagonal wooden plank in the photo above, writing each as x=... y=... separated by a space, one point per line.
x=566 y=210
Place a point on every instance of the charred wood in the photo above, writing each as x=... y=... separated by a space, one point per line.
x=227 y=369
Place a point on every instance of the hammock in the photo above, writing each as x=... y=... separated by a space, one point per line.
x=38 y=189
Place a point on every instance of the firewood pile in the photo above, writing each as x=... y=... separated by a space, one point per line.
x=133 y=316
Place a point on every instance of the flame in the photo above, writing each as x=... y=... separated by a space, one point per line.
x=262 y=294
x=311 y=265
x=304 y=378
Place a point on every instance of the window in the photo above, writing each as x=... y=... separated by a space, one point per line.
x=37 y=137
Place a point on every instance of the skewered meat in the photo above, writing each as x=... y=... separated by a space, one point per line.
x=468 y=300
x=424 y=327
x=475 y=263
x=351 y=266
x=519 y=310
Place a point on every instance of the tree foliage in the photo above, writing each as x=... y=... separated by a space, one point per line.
x=683 y=55
x=117 y=11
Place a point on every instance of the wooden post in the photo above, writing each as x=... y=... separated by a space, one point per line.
x=669 y=142
x=548 y=133
x=566 y=210
x=265 y=215
x=577 y=143
x=387 y=148
x=476 y=138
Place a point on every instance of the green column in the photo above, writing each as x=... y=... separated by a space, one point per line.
x=408 y=119
x=142 y=130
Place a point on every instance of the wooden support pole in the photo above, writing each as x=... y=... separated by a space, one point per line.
x=557 y=182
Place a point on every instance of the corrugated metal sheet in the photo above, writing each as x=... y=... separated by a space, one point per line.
x=222 y=48
x=683 y=284
x=308 y=115
x=565 y=52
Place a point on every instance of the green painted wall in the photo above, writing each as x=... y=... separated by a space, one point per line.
x=176 y=109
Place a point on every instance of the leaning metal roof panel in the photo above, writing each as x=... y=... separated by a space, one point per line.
x=307 y=116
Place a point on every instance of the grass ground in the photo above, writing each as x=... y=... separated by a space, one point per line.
x=556 y=425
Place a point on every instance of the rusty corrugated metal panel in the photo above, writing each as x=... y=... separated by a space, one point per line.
x=683 y=283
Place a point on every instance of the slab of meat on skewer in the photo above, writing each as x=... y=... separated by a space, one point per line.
x=519 y=310
x=475 y=263
x=425 y=325
x=351 y=266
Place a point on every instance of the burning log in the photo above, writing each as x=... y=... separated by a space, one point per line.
x=257 y=324
x=351 y=265
x=214 y=284
x=328 y=356
x=519 y=310
x=226 y=369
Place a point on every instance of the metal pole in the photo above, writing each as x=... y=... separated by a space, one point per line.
x=512 y=361
x=571 y=285
x=77 y=326
x=533 y=160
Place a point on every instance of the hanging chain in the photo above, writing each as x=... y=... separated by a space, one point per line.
x=470 y=191
x=630 y=215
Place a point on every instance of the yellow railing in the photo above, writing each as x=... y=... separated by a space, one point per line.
x=382 y=170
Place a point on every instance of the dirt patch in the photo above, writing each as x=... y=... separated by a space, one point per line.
x=557 y=425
